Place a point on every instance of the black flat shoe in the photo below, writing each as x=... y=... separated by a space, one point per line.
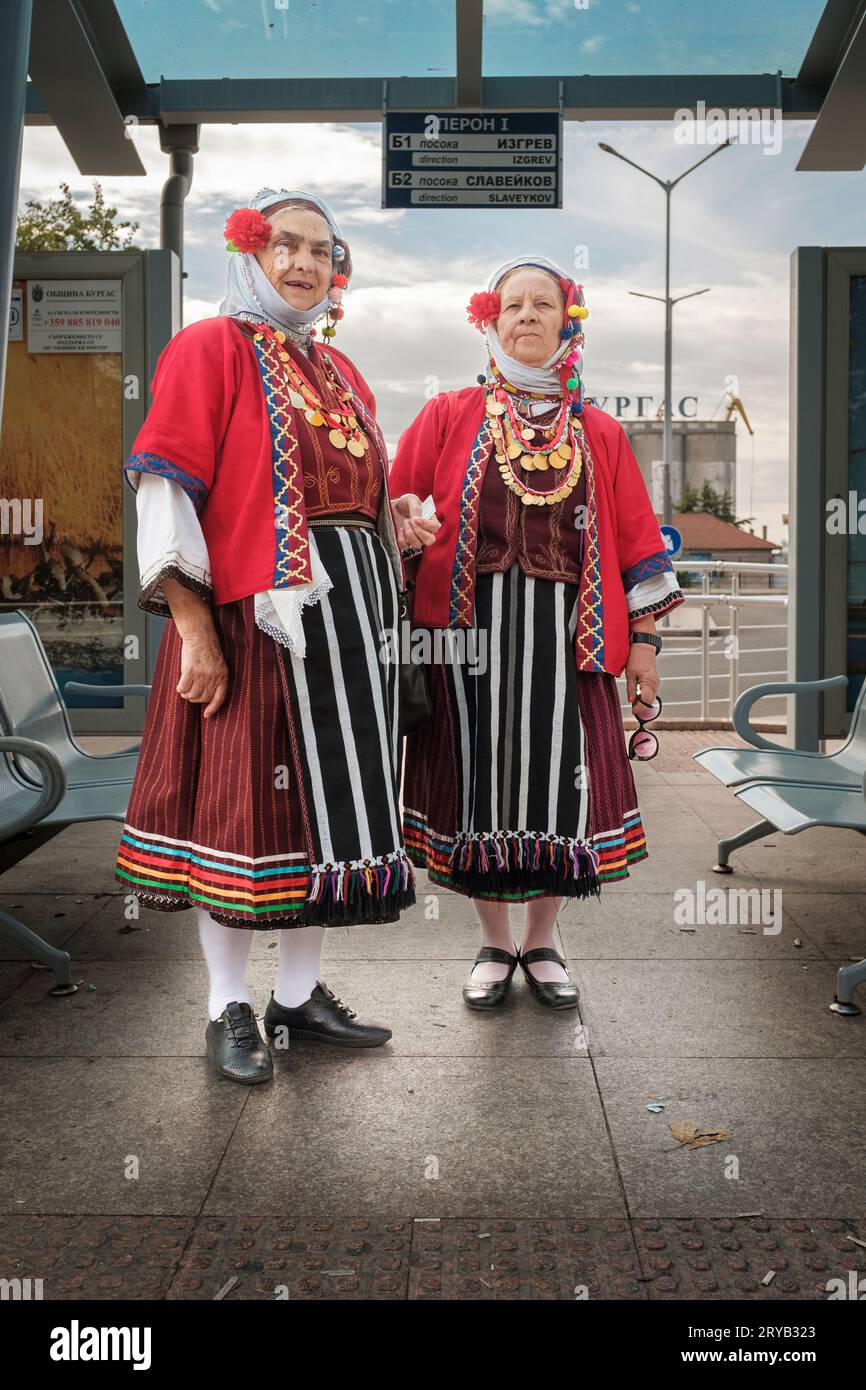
x=551 y=993
x=491 y=994
x=236 y=1047
x=323 y=1018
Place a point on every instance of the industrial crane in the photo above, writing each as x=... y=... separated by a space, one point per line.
x=733 y=405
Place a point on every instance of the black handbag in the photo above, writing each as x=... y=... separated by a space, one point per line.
x=416 y=710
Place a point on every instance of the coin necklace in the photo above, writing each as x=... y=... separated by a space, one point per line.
x=514 y=438
x=340 y=421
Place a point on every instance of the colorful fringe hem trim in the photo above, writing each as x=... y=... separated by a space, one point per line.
x=510 y=861
x=515 y=866
x=340 y=892
x=174 y=875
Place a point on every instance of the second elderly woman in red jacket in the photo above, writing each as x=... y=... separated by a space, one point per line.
x=548 y=572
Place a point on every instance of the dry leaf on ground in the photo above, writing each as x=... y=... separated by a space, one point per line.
x=695 y=1138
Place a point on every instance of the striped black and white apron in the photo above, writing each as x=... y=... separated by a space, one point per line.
x=522 y=803
x=521 y=787
x=344 y=702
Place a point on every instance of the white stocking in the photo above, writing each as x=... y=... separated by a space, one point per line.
x=226 y=950
x=496 y=932
x=300 y=962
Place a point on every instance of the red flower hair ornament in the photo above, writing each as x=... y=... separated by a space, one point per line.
x=247 y=230
x=483 y=308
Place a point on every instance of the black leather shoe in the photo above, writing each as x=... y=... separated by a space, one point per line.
x=553 y=994
x=237 y=1048
x=491 y=994
x=323 y=1018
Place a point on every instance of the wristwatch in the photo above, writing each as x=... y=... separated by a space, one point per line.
x=651 y=637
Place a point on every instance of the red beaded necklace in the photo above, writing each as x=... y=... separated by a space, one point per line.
x=337 y=416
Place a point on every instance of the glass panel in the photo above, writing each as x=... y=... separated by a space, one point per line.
x=626 y=37
x=61 y=548
x=856 y=485
x=291 y=38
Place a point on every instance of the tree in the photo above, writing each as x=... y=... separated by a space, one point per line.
x=710 y=501
x=60 y=225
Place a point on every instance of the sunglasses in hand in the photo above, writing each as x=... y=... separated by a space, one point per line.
x=643 y=744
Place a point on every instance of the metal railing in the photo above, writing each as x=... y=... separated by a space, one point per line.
x=686 y=660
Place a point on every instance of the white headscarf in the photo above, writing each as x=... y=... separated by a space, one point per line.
x=535 y=379
x=250 y=293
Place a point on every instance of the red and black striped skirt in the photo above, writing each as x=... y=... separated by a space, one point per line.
x=282 y=809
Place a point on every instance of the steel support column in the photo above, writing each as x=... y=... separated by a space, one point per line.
x=806 y=501
x=469 y=87
x=15 y=20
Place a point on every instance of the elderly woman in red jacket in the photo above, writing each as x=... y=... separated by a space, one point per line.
x=266 y=789
x=548 y=571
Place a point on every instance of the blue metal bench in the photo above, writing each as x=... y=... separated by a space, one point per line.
x=793 y=790
x=770 y=762
x=793 y=807
x=45 y=778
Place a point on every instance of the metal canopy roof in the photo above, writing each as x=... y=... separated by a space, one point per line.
x=95 y=63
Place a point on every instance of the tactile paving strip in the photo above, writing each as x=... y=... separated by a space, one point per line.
x=101 y=1257
x=729 y=1258
x=524 y=1259
x=156 y=1257
x=270 y=1258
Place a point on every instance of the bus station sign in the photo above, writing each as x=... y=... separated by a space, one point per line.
x=472 y=159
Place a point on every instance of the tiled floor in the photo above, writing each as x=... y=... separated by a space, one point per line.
x=126 y=1166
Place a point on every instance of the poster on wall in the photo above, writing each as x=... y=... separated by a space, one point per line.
x=73 y=316
x=16 y=318
x=61 y=555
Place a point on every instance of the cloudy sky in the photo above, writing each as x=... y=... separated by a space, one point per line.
x=735 y=223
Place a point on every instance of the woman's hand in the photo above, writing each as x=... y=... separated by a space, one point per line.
x=641 y=669
x=204 y=675
x=411 y=528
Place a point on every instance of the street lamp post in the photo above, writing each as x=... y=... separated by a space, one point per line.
x=668 y=186
x=668 y=440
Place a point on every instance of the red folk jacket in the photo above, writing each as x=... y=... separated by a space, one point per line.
x=446 y=452
x=221 y=425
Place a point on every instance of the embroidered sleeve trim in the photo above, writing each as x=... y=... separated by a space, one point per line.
x=195 y=489
x=664 y=605
x=645 y=569
x=650 y=591
x=152 y=595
